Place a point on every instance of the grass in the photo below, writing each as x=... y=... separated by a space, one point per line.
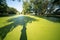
x=37 y=28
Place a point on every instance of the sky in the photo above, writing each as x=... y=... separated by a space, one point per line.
x=16 y=4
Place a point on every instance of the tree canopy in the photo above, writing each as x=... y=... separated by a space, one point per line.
x=5 y=10
x=35 y=6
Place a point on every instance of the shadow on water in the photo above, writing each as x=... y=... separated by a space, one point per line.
x=21 y=20
x=52 y=19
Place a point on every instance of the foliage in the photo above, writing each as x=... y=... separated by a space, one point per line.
x=3 y=6
x=30 y=6
x=5 y=10
x=11 y=10
x=38 y=7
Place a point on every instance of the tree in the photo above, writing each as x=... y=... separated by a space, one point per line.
x=5 y=10
x=26 y=7
x=39 y=6
x=11 y=10
x=3 y=7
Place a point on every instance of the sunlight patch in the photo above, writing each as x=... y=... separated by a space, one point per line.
x=21 y=15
